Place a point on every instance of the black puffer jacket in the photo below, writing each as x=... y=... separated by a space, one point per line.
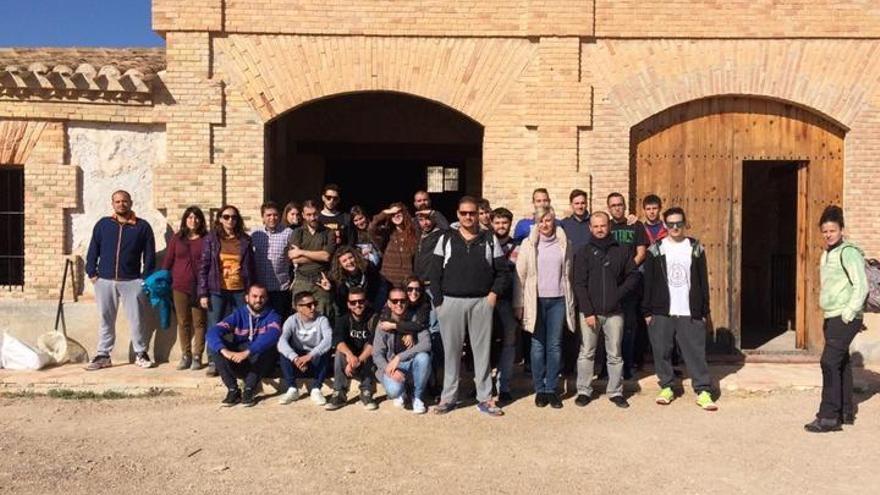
x=604 y=273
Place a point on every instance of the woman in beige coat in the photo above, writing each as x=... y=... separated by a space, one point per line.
x=544 y=300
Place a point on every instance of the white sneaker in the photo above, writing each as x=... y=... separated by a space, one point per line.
x=419 y=407
x=400 y=402
x=291 y=395
x=317 y=397
x=142 y=360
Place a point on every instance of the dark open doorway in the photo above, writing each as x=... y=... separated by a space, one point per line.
x=379 y=147
x=769 y=250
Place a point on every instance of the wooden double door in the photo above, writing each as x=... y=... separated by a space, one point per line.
x=693 y=155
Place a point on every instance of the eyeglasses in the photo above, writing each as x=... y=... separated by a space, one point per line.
x=413 y=289
x=467 y=213
x=675 y=225
x=357 y=302
x=229 y=217
x=398 y=301
x=308 y=305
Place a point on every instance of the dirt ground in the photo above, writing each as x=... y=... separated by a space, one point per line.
x=188 y=444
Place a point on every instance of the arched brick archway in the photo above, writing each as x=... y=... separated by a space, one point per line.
x=754 y=175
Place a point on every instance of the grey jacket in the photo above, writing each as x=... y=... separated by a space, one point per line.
x=314 y=337
x=383 y=348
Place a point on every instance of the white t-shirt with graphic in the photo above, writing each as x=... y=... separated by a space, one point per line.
x=678 y=270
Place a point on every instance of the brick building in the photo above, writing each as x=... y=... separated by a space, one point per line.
x=714 y=105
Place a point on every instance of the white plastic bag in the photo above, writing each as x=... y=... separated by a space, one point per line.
x=16 y=355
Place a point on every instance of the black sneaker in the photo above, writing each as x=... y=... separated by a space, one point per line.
x=233 y=397
x=337 y=400
x=249 y=398
x=368 y=401
x=99 y=362
x=823 y=425
x=555 y=401
x=504 y=398
x=582 y=400
x=619 y=401
x=541 y=399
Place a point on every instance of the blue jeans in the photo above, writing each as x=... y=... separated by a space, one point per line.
x=547 y=344
x=318 y=368
x=222 y=304
x=416 y=370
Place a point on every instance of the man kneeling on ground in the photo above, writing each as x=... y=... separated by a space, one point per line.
x=402 y=352
x=243 y=345
x=305 y=348
x=353 y=338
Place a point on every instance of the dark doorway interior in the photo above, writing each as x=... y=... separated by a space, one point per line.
x=11 y=225
x=769 y=242
x=379 y=147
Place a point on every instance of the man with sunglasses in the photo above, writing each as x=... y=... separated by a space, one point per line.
x=353 y=340
x=304 y=345
x=676 y=306
x=470 y=271
x=311 y=249
x=337 y=221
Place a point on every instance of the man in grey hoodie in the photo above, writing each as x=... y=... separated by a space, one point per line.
x=304 y=346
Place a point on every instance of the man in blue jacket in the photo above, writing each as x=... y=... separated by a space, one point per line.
x=244 y=346
x=120 y=243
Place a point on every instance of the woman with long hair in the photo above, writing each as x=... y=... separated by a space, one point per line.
x=292 y=216
x=842 y=293
x=398 y=240
x=182 y=259
x=361 y=237
x=349 y=269
x=226 y=270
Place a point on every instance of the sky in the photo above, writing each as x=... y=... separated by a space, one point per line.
x=106 y=23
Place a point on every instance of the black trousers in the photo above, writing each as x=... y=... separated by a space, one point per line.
x=252 y=369
x=366 y=373
x=690 y=335
x=837 y=377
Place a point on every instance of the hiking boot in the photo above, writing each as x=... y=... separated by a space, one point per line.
x=554 y=400
x=823 y=425
x=619 y=401
x=418 y=407
x=249 y=398
x=99 y=362
x=368 y=401
x=142 y=360
x=291 y=395
x=504 y=398
x=317 y=397
x=185 y=362
x=196 y=363
x=232 y=398
x=582 y=400
x=211 y=370
x=489 y=408
x=337 y=400
x=541 y=399
x=665 y=397
x=704 y=400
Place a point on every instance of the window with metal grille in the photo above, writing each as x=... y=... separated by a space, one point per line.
x=11 y=225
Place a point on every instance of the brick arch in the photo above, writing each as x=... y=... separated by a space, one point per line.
x=278 y=73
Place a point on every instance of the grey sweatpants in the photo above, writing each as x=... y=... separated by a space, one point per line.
x=458 y=315
x=108 y=294
x=690 y=334
x=612 y=327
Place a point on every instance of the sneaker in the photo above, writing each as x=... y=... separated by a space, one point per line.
x=196 y=363
x=823 y=425
x=249 y=398
x=291 y=395
x=619 y=401
x=368 y=401
x=99 y=362
x=232 y=398
x=400 y=402
x=142 y=360
x=444 y=407
x=211 y=370
x=541 y=399
x=665 y=397
x=185 y=362
x=337 y=400
x=504 y=398
x=582 y=400
x=489 y=408
x=418 y=407
x=848 y=419
x=317 y=397
x=554 y=400
x=705 y=401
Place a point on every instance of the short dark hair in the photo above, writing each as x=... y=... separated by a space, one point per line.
x=257 y=285
x=540 y=190
x=575 y=193
x=468 y=200
x=503 y=213
x=356 y=290
x=310 y=203
x=121 y=191
x=832 y=213
x=299 y=296
x=614 y=195
x=652 y=199
x=269 y=205
x=330 y=187
x=675 y=210
x=483 y=204
x=396 y=288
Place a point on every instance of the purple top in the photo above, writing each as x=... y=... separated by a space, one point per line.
x=549 y=267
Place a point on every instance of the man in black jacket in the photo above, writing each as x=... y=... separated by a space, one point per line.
x=469 y=273
x=676 y=306
x=353 y=340
x=604 y=274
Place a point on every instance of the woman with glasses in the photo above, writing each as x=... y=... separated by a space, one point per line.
x=183 y=258
x=397 y=238
x=227 y=268
x=347 y=270
x=544 y=301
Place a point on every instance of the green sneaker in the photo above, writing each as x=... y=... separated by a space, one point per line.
x=665 y=397
x=705 y=401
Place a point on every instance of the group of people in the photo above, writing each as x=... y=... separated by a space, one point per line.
x=402 y=297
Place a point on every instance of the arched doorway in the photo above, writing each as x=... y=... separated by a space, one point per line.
x=754 y=175
x=379 y=147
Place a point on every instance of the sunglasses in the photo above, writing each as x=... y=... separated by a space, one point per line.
x=467 y=213
x=331 y=198
x=229 y=217
x=675 y=225
x=308 y=304
x=398 y=301
x=413 y=289
x=357 y=302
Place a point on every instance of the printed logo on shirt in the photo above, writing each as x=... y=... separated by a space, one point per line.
x=358 y=334
x=624 y=236
x=678 y=276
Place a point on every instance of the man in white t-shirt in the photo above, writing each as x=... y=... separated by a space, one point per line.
x=676 y=306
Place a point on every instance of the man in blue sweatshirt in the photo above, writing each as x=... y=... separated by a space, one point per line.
x=243 y=345
x=120 y=244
